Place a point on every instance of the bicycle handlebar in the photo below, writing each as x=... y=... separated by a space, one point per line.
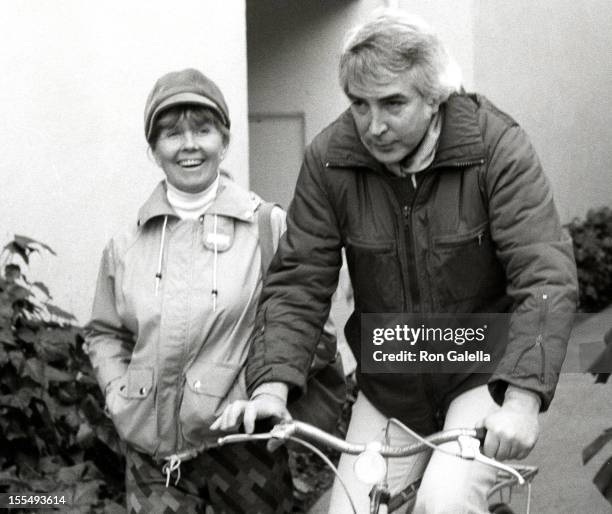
x=295 y=429
x=290 y=429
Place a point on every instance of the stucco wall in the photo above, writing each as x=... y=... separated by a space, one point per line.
x=294 y=47
x=75 y=76
x=548 y=64
x=453 y=21
x=293 y=50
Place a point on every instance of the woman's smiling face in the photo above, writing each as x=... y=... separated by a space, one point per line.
x=189 y=148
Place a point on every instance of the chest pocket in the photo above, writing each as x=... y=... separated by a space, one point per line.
x=375 y=274
x=466 y=266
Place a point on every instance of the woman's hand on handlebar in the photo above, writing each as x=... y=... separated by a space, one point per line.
x=262 y=405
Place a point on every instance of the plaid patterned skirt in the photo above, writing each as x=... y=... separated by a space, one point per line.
x=238 y=478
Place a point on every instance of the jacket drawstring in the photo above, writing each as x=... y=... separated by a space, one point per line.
x=173 y=464
x=214 y=291
x=158 y=275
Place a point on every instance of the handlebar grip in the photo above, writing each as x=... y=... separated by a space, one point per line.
x=481 y=434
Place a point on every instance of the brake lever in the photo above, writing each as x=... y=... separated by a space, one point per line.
x=470 y=449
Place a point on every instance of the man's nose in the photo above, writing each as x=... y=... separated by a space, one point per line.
x=378 y=124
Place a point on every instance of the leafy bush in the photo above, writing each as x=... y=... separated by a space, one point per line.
x=54 y=435
x=593 y=251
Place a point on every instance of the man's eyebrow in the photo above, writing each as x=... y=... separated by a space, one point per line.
x=394 y=96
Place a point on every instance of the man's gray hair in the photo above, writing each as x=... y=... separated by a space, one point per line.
x=393 y=42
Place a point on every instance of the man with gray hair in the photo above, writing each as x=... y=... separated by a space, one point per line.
x=442 y=206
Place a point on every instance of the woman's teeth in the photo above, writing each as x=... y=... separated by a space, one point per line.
x=190 y=162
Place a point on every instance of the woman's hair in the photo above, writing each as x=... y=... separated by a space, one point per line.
x=196 y=115
x=394 y=42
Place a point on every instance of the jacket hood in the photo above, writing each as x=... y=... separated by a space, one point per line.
x=460 y=139
x=231 y=201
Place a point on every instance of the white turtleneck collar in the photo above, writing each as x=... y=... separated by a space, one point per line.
x=424 y=154
x=191 y=205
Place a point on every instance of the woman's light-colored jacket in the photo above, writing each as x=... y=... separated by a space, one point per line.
x=173 y=311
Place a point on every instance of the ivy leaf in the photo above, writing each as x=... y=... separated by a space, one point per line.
x=85 y=378
x=56 y=311
x=34 y=369
x=26 y=395
x=57 y=375
x=92 y=410
x=85 y=434
x=82 y=471
x=14 y=248
x=42 y=287
x=86 y=494
x=17 y=292
x=43 y=485
x=72 y=419
x=6 y=336
x=53 y=344
x=52 y=404
x=26 y=334
x=14 y=431
x=17 y=360
x=108 y=435
x=42 y=373
x=6 y=309
x=31 y=244
x=50 y=465
x=16 y=401
x=12 y=272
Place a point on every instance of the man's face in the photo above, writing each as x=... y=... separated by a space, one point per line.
x=391 y=118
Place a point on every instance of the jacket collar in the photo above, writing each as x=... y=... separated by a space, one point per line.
x=460 y=138
x=231 y=201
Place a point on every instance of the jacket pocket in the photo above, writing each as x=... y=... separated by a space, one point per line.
x=210 y=387
x=131 y=405
x=375 y=274
x=466 y=265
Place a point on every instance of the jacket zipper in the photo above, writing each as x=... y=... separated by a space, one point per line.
x=478 y=237
x=415 y=291
x=541 y=334
x=401 y=234
x=539 y=339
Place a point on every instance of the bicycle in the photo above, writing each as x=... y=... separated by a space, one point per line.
x=376 y=453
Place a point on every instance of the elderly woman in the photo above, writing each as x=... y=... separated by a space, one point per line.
x=174 y=307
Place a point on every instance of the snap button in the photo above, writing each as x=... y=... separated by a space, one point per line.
x=143 y=391
x=197 y=384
